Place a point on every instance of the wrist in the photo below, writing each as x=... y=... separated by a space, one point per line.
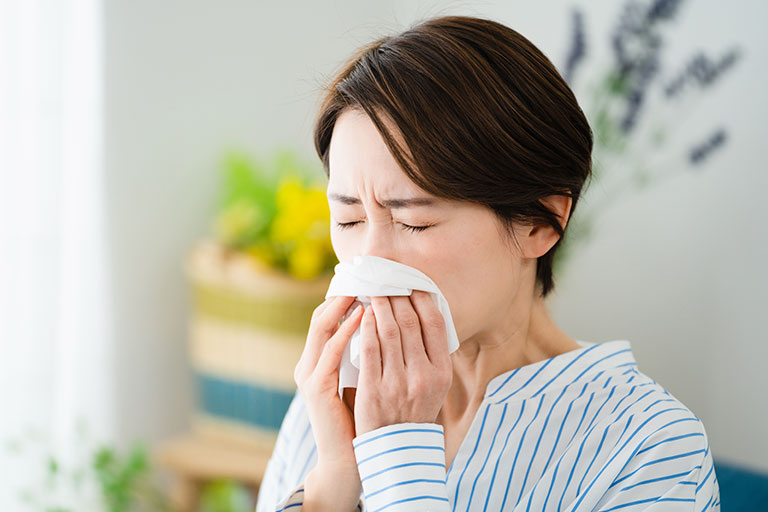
x=332 y=488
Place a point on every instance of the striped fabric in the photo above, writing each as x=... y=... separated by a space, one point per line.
x=582 y=431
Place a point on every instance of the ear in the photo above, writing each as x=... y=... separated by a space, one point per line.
x=540 y=238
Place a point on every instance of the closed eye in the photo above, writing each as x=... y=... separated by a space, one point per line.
x=346 y=225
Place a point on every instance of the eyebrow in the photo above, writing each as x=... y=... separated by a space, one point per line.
x=389 y=203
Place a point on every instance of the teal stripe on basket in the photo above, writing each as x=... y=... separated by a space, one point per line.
x=245 y=402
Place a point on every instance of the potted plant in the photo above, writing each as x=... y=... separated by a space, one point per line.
x=255 y=282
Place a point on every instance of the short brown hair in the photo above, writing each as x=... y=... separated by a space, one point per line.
x=486 y=117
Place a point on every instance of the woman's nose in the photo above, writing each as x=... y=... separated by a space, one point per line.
x=377 y=241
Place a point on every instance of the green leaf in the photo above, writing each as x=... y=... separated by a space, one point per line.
x=103 y=458
x=53 y=465
x=248 y=186
x=225 y=496
x=616 y=84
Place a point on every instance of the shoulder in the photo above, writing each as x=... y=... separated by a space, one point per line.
x=664 y=451
x=651 y=418
x=656 y=415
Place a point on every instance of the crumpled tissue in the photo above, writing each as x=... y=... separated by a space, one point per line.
x=373 y=276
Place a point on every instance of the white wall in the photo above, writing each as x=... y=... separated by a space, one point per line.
x=676 y=269
x=185 y=80
x=679 y=269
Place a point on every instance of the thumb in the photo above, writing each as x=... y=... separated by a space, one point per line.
x=330 y=358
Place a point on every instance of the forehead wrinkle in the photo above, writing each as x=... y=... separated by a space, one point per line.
x=393 y=204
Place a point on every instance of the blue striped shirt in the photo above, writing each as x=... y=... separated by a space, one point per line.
x=584 y=430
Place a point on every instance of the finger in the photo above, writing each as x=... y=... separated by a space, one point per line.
x=389 y=335
x=330 y=358
x=323 y=326
x=322 y=307
x=329 y=319
x=433 y=327
x=331 y=314
x=407 y=319
x=370 y=351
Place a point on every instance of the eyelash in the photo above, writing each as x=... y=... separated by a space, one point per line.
x=347 y=225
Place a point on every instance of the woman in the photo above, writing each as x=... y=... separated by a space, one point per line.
x=456 y=148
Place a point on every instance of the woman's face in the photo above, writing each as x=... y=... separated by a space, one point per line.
x=461 y=248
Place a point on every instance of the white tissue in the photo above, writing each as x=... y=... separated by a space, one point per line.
x=373 y=276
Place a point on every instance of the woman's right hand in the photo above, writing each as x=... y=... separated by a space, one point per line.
x=317 y=377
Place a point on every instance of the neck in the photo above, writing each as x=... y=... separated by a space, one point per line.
x=516 y=341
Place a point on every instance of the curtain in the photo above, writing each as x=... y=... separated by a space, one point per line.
x=55 y=351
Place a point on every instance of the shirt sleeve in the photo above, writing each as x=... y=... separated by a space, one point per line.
x=673 y=470
x=295 y=500
x=276 y=491
x=276 y=473
x=402 y=467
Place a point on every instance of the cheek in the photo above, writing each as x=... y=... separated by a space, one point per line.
x=474 y=272
x=336 y=244
x=457 y=277
x=345 y=245
x=465 y=295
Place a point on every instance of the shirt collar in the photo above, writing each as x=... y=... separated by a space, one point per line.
x=533 y=379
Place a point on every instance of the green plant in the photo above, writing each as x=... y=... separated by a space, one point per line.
x=226 y=496
x=629 y=104
x=277 y=213
x=90 y=477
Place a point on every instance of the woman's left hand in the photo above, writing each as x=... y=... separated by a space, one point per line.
x=405 y=367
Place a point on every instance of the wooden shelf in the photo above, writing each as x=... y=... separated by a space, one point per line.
x=195 y=460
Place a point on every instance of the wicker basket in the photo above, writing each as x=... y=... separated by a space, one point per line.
x=247 y=331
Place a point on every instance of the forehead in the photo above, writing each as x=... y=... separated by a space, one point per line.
x=359 y=156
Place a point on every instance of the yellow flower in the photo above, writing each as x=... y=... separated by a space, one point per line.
x=289 y=193
x=317 y=204
x=283 y=228
x=306 y=260
x=302 y=227
x=298 y=211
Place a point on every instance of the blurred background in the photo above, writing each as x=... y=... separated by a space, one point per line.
x=163 y=228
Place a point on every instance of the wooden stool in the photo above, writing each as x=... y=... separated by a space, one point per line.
x=195 y=460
